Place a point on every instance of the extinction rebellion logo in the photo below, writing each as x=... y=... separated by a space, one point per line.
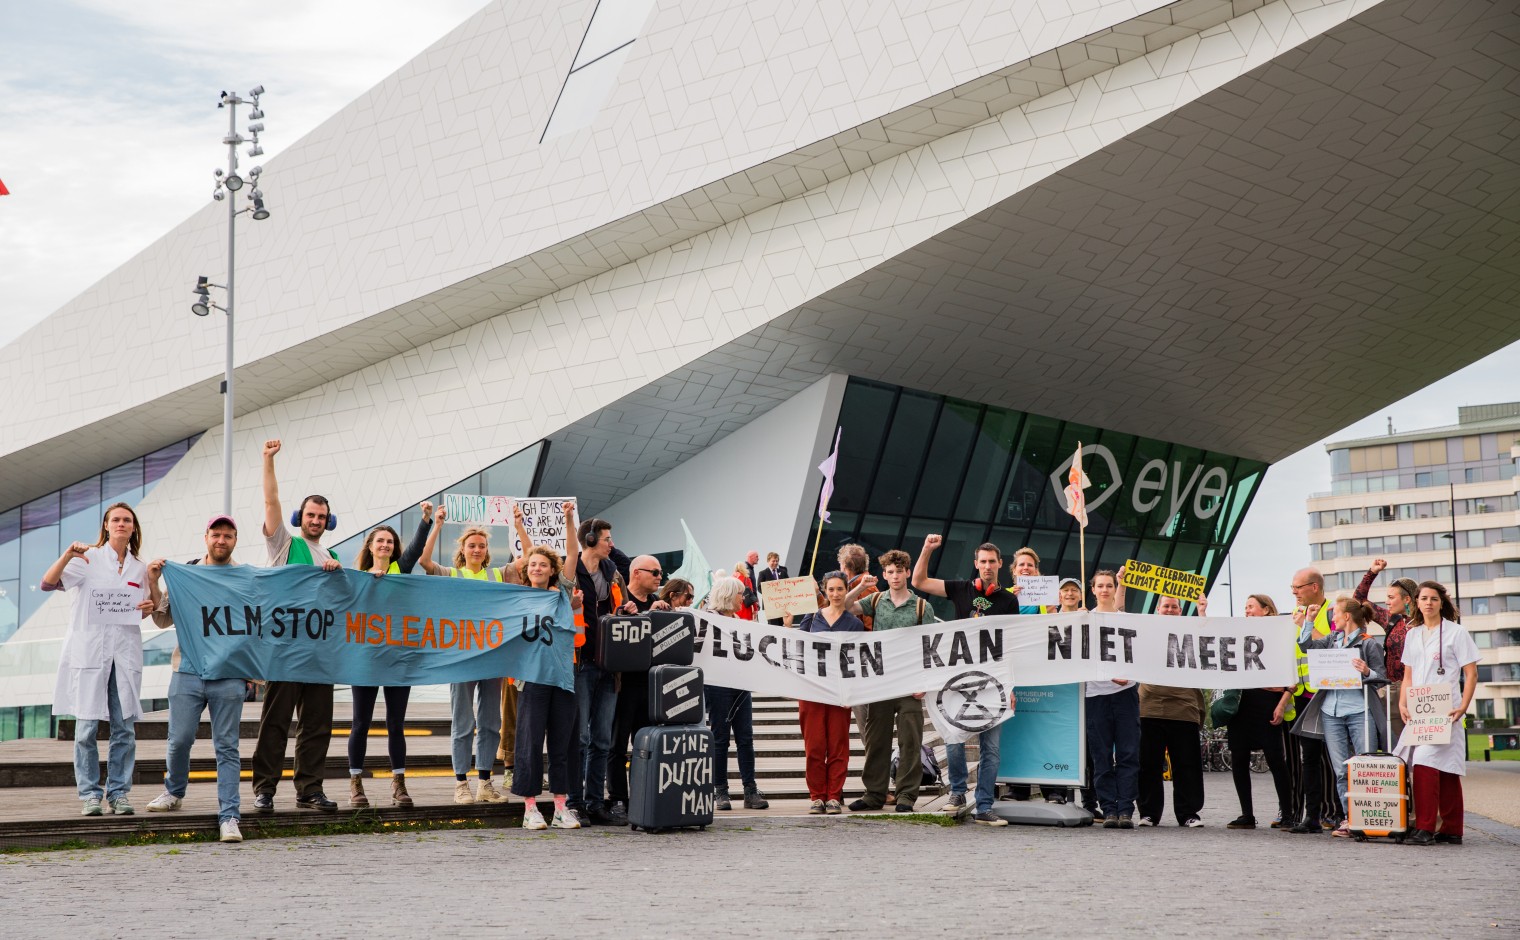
x=972 y=701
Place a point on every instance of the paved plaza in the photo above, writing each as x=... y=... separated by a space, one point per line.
x=779 y=876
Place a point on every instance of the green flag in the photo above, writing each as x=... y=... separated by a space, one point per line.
x=694 y=567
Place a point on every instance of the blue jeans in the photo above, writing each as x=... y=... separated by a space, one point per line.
x=189 y=695
x=475 y=713
x=991 y=748
x=596 y=704
x=1113 y=743
x=123 y=752
x=1341 y=736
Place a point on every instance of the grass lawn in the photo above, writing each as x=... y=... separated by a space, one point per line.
x=1476 y=743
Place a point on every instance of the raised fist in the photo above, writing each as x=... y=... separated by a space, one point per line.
x=271 y=448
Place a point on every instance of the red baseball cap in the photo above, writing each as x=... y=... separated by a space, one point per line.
x=219 y=519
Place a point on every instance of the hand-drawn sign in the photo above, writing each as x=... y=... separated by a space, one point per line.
x=973 y=701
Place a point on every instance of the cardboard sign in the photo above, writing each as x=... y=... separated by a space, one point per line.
x=544 y=517
x=115 y=607
x=1332 y=669
x=1429 y=716
x=1183 y=585
x=1374 y=811
x=1039 y=590
x=795 y=596
x=1378 y=776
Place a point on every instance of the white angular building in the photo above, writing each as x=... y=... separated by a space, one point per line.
x=660 y=252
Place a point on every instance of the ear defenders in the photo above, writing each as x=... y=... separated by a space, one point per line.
x=591 y=531
x=332 y=517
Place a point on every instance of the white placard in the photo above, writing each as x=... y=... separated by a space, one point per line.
x=544 y=516
x=1374 y=811
x=115 y=607
x=1332 y=669
x=1429 y=716
x=795 y=596
x=1039 y=591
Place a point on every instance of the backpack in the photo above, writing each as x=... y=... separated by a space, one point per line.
x=927 y=761
x=920 y=607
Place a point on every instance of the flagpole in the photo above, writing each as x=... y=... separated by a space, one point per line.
x=813 y=561
x=1082 y=539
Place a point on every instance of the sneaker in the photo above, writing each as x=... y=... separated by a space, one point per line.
x=533 y=819
x=1145 y=821
x=618 y=813
x=595 y=815
x=1111 y=822
x=462 y=792
x=833 y=807
x=565 y=819
x=1277 y=820
x=721 y=801
x=506 y=780
x=861 y=806
x=263 y=802
x=121 y=807
x=956 y=805
x=1126 y=821
x=165 y=802
x=990 y=819
x=485 y=792
x=904 y=808
x=816 y=808
x=1193 y=822
x=399 y=796
x=91 y=807
x=1242 y=822
x=1342 y=832
x=754 y=799
x=1329 y=825
x=356 y=795
x=230 y=831
x=318 y=801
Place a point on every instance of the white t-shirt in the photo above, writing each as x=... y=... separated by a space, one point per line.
x=1097 y=687
x=1425 y=652
x=103 y=632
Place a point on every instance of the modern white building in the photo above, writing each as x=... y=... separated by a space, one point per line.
x=1439 y=504
x=652 y=254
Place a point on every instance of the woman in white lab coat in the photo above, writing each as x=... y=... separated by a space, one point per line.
x=100 y=669
x=1438 y=651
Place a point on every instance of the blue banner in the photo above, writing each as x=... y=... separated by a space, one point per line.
x=1045 y=741
x=298 y=623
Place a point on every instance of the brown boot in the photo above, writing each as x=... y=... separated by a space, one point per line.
x=356 y=795
x=399 y=796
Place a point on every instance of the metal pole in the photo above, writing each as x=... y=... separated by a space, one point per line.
x=1229 y=561
x=232 y=138
x=1456 y=577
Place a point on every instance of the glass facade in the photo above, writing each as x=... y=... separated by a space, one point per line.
x=1376 y=468
x=912 y=463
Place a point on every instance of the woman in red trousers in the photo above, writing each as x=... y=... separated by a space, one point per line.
x=826 y=728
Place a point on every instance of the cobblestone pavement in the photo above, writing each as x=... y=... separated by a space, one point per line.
x=787 y=876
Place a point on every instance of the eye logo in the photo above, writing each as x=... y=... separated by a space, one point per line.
x=972 y=701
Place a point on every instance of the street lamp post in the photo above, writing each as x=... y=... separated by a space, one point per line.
x=1456 y=576
x=229 y=181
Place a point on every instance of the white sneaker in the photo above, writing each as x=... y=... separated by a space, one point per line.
x=462 y=792
x=230 y=830
x=1193 y=822
x=533 y=819
x=164 y=802
x=1145 y=821
x=565 y=819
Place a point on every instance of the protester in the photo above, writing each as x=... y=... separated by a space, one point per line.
x=1395 y=620
x=632 y=709
x=1171 y=720
x=1257 y=726
x=729 y=711
x=474 y=707
x=678 y=593
x=981 y=597
x=312 y=702
x=190 y=696
x=774 y=570
x=1316 y=808
x=895 y=608
x=1113 y=726
x=826 y=728
x=1438 y=651
x=1026 y=564
x=100 y=666
x=546 y=714
x=750 y=600
x=601 y=574
x=379 y=557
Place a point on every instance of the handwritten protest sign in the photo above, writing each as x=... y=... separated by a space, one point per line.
x=113 y=607
x=1038 y=590
x=544 y=516
x=1429 y=716
x=1332 y=669
x=1375 y=793
x=795 y=596
x=1183 y=585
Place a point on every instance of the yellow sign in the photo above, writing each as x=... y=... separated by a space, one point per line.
x=1183 y=585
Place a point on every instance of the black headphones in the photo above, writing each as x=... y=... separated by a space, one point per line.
x=591 y=531
x=332 y=517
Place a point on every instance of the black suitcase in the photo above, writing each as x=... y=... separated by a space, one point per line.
x=623 y=643
x=673 y=641
x=675 y=695
x=671 y=778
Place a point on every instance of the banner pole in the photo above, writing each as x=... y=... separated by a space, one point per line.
x=813 y=561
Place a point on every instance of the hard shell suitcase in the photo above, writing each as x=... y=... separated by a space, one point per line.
x=623 y=643
x=670 y=782
x=673 y=641
x=1377 y=787
x=675 y=695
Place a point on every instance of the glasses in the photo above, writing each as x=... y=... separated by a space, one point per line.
x=654 y=571
x=1300 y=587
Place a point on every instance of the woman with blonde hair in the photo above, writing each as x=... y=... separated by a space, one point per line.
x=731 y=711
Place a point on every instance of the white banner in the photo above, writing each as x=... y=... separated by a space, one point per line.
x=543 y=516
x=1044 y=649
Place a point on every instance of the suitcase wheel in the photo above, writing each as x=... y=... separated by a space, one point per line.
x=1359 y=837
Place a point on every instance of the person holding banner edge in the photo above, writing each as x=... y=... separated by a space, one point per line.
x=1258 y=725
x=981 y=597
x=826 y=728
x=601 y=574
x=1113 y=725
x=1171 y=719
x=311 y=702
x=1437 y=651
x=731 y=712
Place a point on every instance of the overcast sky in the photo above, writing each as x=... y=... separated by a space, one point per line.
x=109 y=131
